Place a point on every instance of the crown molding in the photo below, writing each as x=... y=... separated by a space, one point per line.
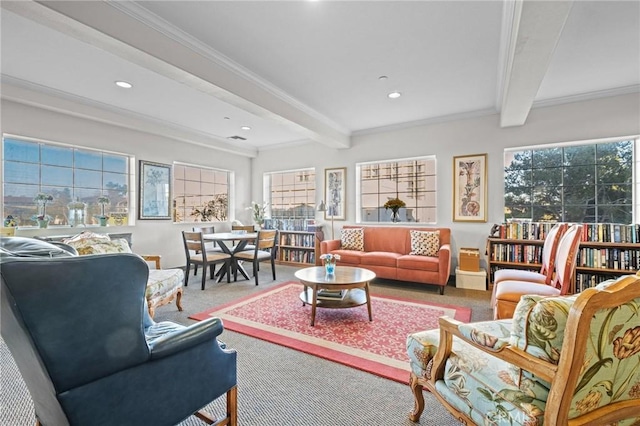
x=152 y=20
x=427 y=121
x=607 y=93
x=27 y=93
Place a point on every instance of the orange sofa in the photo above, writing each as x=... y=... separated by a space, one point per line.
x=386 y=252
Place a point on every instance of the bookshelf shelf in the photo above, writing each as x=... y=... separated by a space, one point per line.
x=606 y=251
x=299 y=248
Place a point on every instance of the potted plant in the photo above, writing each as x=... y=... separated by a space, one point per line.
x=42 y=218
x=103 y=200
x=394 y=204
x=258 y=212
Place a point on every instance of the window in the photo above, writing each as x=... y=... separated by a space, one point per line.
x=67 y=173
x=292 y=194
x=591 y=183
x=412 y=180
x=200 y=194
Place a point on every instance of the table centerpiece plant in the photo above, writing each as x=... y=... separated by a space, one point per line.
x=258 y=212
x=330 y=260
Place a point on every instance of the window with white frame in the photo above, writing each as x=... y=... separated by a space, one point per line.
x=200 y=194
x=292 y=194
x=411 y=180
x=578 y=182
x=69 y=175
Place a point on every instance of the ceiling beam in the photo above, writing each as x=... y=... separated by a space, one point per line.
x=121 y=33
x=534 y=32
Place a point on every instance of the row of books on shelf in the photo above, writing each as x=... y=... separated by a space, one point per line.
x=325 y=294
x=301 y=240
x=521 y=253
x=291 y=224
x=300 y=256
x=591 y=232
x=609 y=258
x=586 y=280
x=524 y=230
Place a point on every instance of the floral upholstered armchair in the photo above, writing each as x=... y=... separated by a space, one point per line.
x=565 y=360
x=163 y=286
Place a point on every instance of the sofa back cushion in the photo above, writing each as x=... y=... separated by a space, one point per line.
x=425 y=243
x=395 y=239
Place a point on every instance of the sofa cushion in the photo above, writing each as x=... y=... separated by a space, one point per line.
x=420 y=263
x=352 y=239
x=380 y=258
x=348 y=257
x=425 y=243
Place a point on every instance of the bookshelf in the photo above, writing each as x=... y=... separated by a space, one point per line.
x=301 y=248
x=606 y=251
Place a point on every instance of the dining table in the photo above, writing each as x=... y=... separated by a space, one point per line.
x=223 y=239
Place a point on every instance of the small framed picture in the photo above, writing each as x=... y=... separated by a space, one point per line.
x=155 y=190
x=470 y=188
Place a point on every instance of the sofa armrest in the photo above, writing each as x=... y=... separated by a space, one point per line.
x=184 y=338
x=328 y=246
x=444 y=263
x=153 y=258
x=508 y=353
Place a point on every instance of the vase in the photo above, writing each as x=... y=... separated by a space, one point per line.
x=395 y=216
x=103 y=221
x=330 y=268
x=43 y=223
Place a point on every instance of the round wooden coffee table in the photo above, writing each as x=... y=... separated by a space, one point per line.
x=355 y=281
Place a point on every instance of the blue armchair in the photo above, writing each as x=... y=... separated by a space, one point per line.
x=88 y=358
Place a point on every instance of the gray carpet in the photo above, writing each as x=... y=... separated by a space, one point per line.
x=281 y=386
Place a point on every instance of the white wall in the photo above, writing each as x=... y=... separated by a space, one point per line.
x=601 y=118
x=149 y=236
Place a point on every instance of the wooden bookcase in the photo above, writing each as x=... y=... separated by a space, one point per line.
x=299 y=248
x=602 y=254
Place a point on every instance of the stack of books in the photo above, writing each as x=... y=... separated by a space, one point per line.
x=331 y=294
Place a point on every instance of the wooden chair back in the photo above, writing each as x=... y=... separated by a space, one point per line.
x=248 y=228
x=566 y=258
x=266 y=239
x=193 y=241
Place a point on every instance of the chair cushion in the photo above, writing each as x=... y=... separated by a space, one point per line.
x=163 y=283
x=352 y=239
x=425 y=243
x=251 y=254
x=91 y=246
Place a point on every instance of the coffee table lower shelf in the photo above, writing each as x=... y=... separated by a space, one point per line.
x=354 y=297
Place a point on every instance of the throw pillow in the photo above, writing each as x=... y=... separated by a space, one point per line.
x=425 y=243
x=352 y=239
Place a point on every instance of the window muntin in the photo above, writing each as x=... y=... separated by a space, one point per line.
x=67 y=173
x=292 y=194
x=200 y=189
x=413 y=180
x=590 y=183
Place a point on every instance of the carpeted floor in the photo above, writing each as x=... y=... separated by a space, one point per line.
x=281 y=386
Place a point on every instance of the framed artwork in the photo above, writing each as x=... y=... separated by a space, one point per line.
x=470 y=188
x=335 y=193
x=155 y=190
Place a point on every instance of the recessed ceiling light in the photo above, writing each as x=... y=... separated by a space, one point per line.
x=245 y=128
x=227 y=118
x=394 y=95
x=382 y=77
x=124 y=84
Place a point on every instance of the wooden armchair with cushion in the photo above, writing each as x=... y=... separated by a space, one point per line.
x=561 y=360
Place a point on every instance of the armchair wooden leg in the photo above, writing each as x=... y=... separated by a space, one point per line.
x=179 y=300
x=418 y=398
x=231 y=419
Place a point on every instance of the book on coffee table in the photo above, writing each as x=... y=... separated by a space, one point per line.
x=331 y=294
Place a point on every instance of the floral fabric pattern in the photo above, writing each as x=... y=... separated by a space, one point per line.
x=352 y=239
x=425 y=243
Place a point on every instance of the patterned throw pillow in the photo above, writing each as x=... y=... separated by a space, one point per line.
x=425 y=243
x=92 y=243
x=352 y=239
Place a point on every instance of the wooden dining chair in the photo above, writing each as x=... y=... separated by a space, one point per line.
x=265 y=248
x=246 y=228
x=193 y=241
x=211 y=245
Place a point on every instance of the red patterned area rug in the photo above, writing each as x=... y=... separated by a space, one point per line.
x=340 y=335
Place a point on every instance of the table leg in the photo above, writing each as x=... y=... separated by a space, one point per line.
x=314 y=301
x=305 y=292
x=366 y=290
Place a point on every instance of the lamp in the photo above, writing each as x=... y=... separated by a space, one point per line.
x=323 y=208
